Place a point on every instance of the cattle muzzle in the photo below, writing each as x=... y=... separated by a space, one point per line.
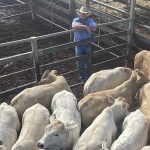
x=40 y=145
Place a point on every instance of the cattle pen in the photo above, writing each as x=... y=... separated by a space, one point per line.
x=113 y=38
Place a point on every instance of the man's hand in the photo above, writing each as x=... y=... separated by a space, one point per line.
x=88 y=28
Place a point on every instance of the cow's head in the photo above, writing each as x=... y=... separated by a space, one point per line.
x=139 y=77
x=48 y=77
x=57 y=136
x=120 y=107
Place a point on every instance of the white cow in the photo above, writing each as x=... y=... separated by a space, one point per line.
x=42 y=94
x=106 y=79
x=65 y=125
x=135 y=132
x=146 y=148
x=34 y=122
x=9 y=126
x=92 y=104
x=103 y=129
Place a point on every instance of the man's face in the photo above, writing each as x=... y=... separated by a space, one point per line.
x=83 y=15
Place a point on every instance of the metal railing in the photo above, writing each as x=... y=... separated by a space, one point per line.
x=36 y=52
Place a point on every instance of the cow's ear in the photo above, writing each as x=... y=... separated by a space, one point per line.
x=52 y=117
x=54 y=72
x=70 y=126
x=111 y=99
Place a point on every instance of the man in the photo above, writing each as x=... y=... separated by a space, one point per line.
x=85 y=24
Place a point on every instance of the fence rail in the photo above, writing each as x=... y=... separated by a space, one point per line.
x=36 y=52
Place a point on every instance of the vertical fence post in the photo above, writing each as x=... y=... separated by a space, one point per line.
x=71 y=14
x=87 y=2
x=131 y=31
x=32 y=9
x=35 y=58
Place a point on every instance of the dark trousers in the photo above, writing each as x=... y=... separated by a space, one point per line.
x=84 y=63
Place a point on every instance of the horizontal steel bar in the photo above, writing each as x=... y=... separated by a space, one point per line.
x=5 y=60
x=75 y=85
x=113 y=22
x=73 y=44
x=19 y=1
x=110 y=60
x=16 y=89
x=144 y=26
x=16 y=42
x=53 y=5
x=108 y=6
x=15 y=5
x=98 y=52
x=17 y=15
x=22 y=72
x=51 y=22
x=55 y=34
x=55 y=16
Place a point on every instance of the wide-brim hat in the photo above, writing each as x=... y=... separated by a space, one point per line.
x=83 y=9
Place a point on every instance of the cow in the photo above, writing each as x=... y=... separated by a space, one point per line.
x=99 y=81
x=146 y=148
x=135 y=132
x=9 y=126
x=145 y=102
x=65 y=123
x=92 y=104
x=34 y=121
x=142 y=62
x=103 y=129
x=50 y=84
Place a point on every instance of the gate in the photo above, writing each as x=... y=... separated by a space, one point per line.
x=117 y=51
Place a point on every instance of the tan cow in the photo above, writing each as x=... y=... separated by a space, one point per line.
x=42 y=94
x=103 y=127
x=145 y=101
x=34 y=122
x=142 y=62
x=92 y=104
x=9 y=125
x=99 y=81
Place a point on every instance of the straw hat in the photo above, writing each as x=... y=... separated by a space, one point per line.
x=83 y=9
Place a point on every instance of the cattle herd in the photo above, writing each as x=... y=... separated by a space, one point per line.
x=49 y=117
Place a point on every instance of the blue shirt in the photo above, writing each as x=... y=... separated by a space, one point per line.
x=83 y=34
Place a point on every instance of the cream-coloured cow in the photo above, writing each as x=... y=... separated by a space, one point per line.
x=146 y=148
x=42 y=94
x=145 y=101
x=99 y=81
x=135 y=132
x=92 y=104
x=65 y=125
x=9 y=126
x=34 y=122
x=142 y=62
x=103 y=129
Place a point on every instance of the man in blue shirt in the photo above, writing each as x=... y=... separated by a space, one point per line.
x=84 y=25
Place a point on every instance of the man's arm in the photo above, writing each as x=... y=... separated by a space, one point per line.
x=92 y=24
x=80 y=26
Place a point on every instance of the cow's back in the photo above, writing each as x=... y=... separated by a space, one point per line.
x=142 y=62
x=106 y=79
